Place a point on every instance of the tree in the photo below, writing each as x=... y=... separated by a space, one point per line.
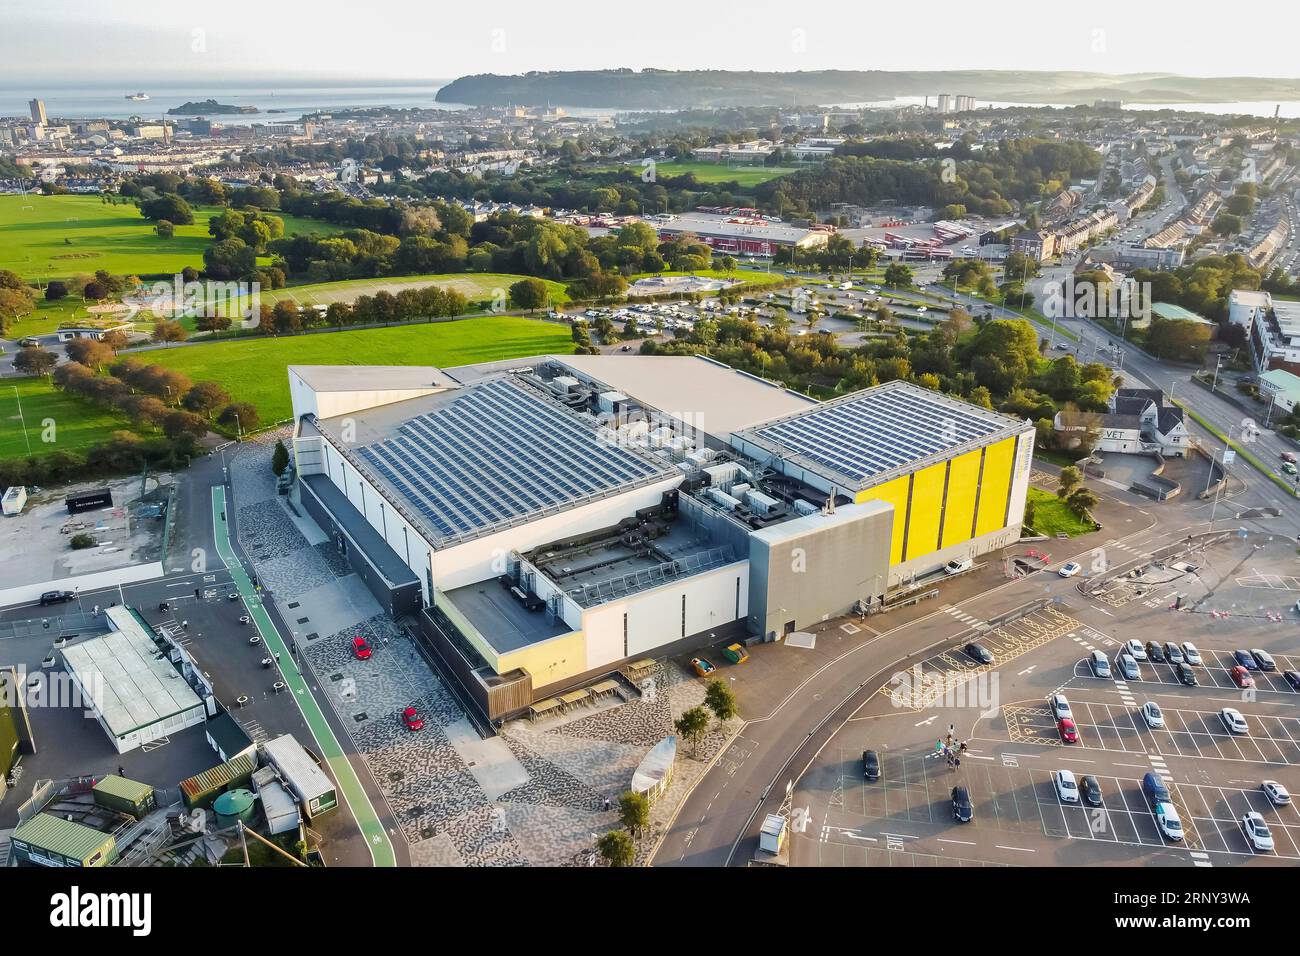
x=170 y=207
x=693 y=724
x=616 y=848
x=1082 y=501
x=55 y=290
x=898 y=276
x=634 y=811
x=115 y=339
x=528 y=294
x=1070 y=479
x=35 y=360
x=204 y=398
x=167 y=331
x=178 y=422
x=240 y=415
x=165 y=229
x=720 y=699
x=279 y=458
x=90 y=353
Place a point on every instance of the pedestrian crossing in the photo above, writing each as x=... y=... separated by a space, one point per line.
x=959 y=614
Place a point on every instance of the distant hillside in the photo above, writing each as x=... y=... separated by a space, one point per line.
x=665 y=89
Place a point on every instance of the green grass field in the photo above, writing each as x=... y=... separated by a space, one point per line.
x=473 y=285
x=745 y=176
x=55 y=237
x=1052 y=517
x=76 y=423
x=253 y=370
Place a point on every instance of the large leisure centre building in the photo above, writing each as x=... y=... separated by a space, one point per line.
x=548 y=520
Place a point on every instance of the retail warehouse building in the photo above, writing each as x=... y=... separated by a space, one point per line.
x=551 y=519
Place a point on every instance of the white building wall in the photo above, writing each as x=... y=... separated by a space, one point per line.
x=481 y=558
x=1020 y=478
x=306 y=400
x=654 y=618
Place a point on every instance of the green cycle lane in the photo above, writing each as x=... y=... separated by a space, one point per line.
x=381 y=850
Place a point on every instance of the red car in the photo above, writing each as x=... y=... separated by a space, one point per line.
x=1288 y=456
x=1069 y=732
x=411 y=717
x=1241 y=677
x=360 y=649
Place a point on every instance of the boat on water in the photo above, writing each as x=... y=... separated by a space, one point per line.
x=137 y=97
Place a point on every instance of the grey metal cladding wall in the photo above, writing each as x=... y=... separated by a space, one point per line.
x=819 y=573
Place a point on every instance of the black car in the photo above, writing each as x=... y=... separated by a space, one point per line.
x=1090 y=790
x=56 y=597
x=1264 y=659
x=979 y=652
x=1154 y=654
x=1292 y=678
x=1186 y=675
x=1246 y=660
x=870 y=765
x=962 y=811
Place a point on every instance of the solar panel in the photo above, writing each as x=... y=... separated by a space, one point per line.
x=878 y=430
x=497 y=453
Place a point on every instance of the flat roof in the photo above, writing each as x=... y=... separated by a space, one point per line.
x=700 y=392
x=477 y=458
x=376 y=548
x=138 y=687
x=362 y=378
x=1282 y=380
x=709 y=226
x=1171 y=312
x=864 y=438
x=299 y=770
x=504 y=623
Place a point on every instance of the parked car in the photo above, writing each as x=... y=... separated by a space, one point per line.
x=1068 y=730
x=1241 y=677
x=1066 y=789
x=1257 y=833
x=1233 y=720
x=1264 y=659
x=1154 y=653
x=1190 y=653
x=56 y=597
x=1128 y=667
x=1069 y=569
x=411 y=717
x=361 y=649
x=1152 y=715
x=1277 y=794
x=1154 y=789
x=1136 y=650
x=1100 y=666
x=870 y=765
x=1289 y=456
x=1091 y=791
x=962 y=810
x=980 y=653
x=1292 y=678
x=1245 y=660
x=1167 y=820
x=1173 y=653
x=1060 y=706
x=1186 y=676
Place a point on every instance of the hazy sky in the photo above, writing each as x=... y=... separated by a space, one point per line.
x=49 y=43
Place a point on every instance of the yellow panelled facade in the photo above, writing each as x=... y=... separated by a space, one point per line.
x=895 y=492
x=548 y=661
x=927 y=519
x=927 y=507
x=995 y=486
x=959 y=508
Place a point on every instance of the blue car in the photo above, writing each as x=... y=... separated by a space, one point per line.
x=1246 y=660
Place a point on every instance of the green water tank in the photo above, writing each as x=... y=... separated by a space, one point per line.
x=234 y=806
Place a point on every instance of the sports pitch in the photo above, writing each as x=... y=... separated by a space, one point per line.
x=56 y=237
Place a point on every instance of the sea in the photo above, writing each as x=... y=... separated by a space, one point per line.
x=289 y=103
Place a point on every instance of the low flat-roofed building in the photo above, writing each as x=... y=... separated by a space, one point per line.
x=1280 y=387
x=136 y=695
x=308 y=782
x=49 y=840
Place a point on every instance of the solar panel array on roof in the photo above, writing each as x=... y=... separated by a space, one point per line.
x=879 y=430
x=497 y=453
